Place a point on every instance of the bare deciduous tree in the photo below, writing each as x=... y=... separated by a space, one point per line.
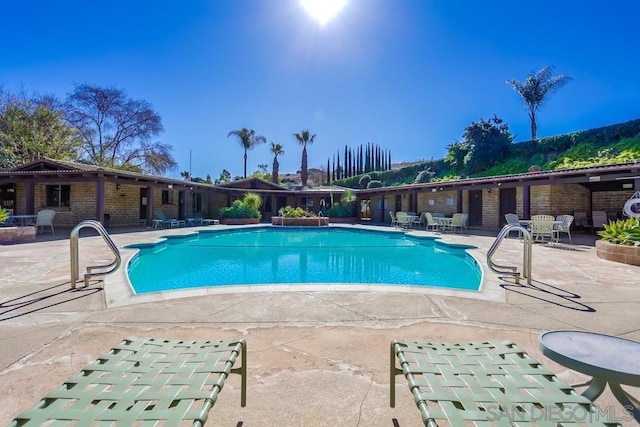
x=117 y=131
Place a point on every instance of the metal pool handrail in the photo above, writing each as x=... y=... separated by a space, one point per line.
x=526 y=261
x=75 y=265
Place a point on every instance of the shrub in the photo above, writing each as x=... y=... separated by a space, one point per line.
x=374 y=183
x=622 y=232
x=339 y=210
x=290 y=212
x=364 y=180
x=245 y=208
x=4 y=215
x=253 y=200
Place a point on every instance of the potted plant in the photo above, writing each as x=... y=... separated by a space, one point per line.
x=9 y=233
x=290 y=216
x=620 y=241
x=245 y=211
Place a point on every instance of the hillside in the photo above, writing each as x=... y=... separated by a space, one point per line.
x=618 y=143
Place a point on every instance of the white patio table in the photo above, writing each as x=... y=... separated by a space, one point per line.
x=607 y=359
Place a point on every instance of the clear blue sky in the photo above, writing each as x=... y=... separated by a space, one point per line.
x=408 y=75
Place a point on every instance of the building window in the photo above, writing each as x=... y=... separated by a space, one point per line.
x=196 y=204
x=307 y=202
x=167 y=197
x=58 y=196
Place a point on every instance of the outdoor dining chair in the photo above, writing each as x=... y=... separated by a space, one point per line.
x=512 y=218
x=403 y=219
x=430 y=222
x=599 y=219
x=542 y=227
x=563 y=225
x=457 y=221
x=394 y=220
x=45 y=219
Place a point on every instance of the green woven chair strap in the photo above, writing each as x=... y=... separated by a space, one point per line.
x=144 y=381
x=487 y=383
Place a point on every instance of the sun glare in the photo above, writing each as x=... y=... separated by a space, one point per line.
x=323 y=10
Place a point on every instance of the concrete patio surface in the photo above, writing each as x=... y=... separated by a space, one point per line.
x=317 y=357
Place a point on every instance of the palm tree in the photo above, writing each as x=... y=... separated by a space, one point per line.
x=276 y=150
x=248 y=139
x=304 y=137
x=534 y=91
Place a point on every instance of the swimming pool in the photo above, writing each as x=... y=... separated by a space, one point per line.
x=270 y=255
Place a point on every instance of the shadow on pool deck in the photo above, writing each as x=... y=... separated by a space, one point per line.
x=314 y=358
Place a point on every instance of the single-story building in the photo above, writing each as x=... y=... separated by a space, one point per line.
x=120 y=198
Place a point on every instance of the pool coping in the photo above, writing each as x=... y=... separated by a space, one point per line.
x=119 y=291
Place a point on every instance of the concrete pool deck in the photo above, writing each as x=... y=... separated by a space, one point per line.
x=315 y=357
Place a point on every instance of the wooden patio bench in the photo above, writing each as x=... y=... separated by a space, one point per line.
x=487 y=384
x=144 y=381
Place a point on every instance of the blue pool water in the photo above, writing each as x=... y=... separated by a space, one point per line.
x=300 y=255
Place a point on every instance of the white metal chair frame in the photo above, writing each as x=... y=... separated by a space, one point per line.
x=394 y=220
x=403 y=219
x=44 y=219
x=430 y=223
x=512 y=218
x=542 y=226
x=563 y=225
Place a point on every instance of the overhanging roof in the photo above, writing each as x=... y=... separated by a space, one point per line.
x=49 y=170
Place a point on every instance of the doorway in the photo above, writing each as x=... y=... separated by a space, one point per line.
x=143 y=203
x=507 y=203
x=475 y=208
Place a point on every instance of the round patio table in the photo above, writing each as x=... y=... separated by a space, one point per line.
x=607 y=359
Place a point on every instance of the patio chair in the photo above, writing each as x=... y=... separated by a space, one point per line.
x=457 y=221
x=580 y=220
x=144 y=381
x=430 y=222
x=403 y=219
x=394 y=220
x=598 y=220
x=563 y=225
x=45 y=219
x=512 y=218
x=171 y=222
x=465 y=221
x=542 y=228
x=417 y=220
x=484 y=383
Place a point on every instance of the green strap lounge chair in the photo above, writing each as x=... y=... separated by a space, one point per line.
x=144 y=382
x=487 y=384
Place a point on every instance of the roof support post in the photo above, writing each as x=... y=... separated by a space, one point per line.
x=149 y=204
x=100 y=199
x=30 y=194
x=526 y=201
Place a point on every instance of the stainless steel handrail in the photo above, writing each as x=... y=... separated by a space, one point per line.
x=280 y=217
x=75 y=265
x=527 y=249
